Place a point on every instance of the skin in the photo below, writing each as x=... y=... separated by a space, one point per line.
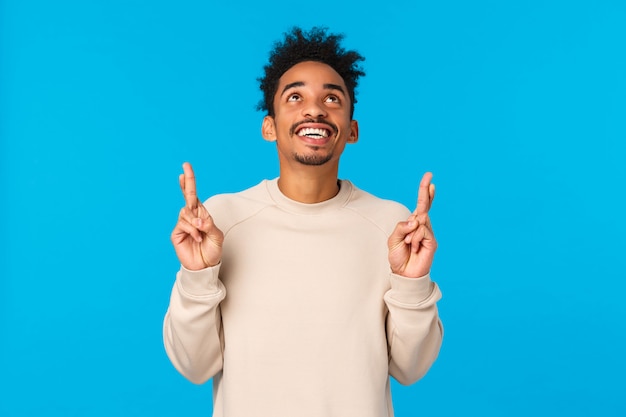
x=196 y=239
x=313 y=92
x=309 y=94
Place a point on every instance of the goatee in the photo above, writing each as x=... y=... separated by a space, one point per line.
x=313 y=160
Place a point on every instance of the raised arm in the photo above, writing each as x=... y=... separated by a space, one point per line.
x=414 y=331
x=192 y=332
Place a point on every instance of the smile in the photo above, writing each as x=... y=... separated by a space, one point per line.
x=313 y=133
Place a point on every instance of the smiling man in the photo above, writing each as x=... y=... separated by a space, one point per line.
x=302 y=295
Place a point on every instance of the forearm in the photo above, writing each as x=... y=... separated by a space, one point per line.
x=414 y=331
x=192 y=325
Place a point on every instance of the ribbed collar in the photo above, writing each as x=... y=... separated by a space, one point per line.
x=282 y=201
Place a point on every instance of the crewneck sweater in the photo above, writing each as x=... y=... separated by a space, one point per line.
x=302 y=317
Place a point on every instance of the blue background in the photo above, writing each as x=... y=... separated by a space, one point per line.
x=517 y=107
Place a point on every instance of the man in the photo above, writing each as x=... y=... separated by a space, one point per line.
x=301 y=295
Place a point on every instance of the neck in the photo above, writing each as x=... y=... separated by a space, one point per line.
x=309 y=187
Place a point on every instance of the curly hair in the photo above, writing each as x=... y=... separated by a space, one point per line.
x=315 y=45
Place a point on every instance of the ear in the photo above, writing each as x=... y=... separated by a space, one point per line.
x=268 y=129
x=354 y=132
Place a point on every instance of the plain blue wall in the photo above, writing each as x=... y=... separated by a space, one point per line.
x=517 y=107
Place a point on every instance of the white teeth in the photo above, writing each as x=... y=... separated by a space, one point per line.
x=313 y=132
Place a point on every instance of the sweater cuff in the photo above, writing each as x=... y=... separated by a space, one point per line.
x=204 y=282
x=413 y=291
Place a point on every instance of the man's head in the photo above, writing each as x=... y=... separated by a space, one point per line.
x=315 y=45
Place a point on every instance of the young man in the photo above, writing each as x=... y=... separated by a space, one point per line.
x=301 y=295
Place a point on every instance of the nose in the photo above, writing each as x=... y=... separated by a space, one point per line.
x=314 y=110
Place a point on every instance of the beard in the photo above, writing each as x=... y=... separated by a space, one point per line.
x=313 y=160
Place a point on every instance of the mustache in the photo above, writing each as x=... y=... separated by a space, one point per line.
x=332 y=126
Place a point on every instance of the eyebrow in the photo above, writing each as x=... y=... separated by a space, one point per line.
x=301 y=84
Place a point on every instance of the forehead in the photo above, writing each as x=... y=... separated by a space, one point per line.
x=310 y=73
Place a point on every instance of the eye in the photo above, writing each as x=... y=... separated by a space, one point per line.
x=294 y=97
x=332 y=99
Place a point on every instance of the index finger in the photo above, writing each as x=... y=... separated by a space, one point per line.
x=425 y=194
x=189 y=186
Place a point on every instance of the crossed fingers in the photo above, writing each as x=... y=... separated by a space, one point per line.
x=419 y=221
x=187 y=181
x=425 y=194
x=192 y=216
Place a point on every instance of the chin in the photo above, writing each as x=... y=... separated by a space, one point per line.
x=313 y=160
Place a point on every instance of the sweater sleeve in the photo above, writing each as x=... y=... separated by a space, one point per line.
x=414 y=331
x=192 y=330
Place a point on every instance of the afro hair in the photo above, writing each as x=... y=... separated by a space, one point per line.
x=315 y=45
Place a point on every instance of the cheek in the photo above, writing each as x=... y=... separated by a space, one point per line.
x=283 y=123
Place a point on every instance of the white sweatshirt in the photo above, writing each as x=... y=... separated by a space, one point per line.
x=302 y=317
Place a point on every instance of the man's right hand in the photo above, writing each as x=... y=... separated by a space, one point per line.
x=196 y=239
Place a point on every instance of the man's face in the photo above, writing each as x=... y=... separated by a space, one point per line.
x=312 y=121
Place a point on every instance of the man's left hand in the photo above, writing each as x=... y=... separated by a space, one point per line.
x=412 y=244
